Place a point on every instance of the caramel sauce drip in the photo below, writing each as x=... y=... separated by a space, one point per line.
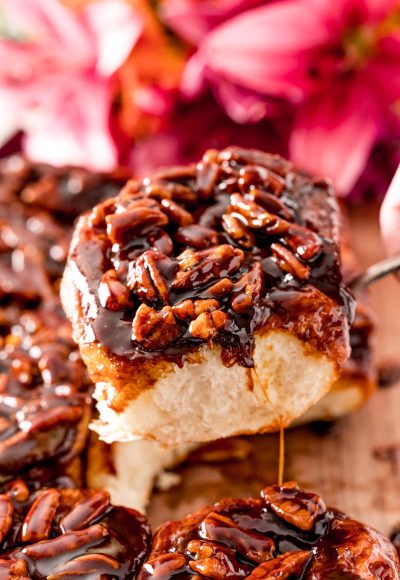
x=281 y=464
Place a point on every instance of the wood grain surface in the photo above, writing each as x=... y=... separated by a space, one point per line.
x=354 y=465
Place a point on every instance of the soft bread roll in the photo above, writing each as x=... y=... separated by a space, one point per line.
x=202 y=312
x=130 y=470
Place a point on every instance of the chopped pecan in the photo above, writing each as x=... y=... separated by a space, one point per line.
x=165 y=190
x=283 y=567
x=215 y=561
x=155 y=329
x=177 y=214
x=270 y=203
x=113 y=295
x=17 y=569
x=237 y=230
x=247 y=290
x=97 y=216
x=252 y=156
x=250 y=544
x=257 y=176
x=123 y=227
x=256 y=216
x=188 y=309
x=147 y=276
x=219 y=289
x=303 y=241
x=199 y=268
x=208 y=171
x=176 y=173
x=289 y=263
x=196 y=236
x=208 y=324
x=184 y=310
x=299 y=508
x=160 y=241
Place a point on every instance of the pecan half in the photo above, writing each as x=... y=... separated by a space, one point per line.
x=297 y=507
x=39 y=520
x=208 y=171
x=196 y=236
x=289 y=263
x=123 y=227
x=147 y=276
x=252 y=545
x=164 y=566
x=177 y=214
x=155 y=329
x=283 y=567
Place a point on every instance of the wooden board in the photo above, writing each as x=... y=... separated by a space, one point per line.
x=355 y=466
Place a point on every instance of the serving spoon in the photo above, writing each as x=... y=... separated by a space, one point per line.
x=374 y=273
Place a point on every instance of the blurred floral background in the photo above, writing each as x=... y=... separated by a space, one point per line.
x=143 y=83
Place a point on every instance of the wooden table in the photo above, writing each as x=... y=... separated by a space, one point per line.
x=355 y=466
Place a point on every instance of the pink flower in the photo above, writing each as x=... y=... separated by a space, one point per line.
x=336 y=62
x=193 y=19
x=56 y=77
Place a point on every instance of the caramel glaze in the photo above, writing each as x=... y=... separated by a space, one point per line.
x=287 y=534
x=45 y=402
x=242 y=229
x=61 y=533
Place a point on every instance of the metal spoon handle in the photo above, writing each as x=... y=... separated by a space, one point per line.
x=375 y=272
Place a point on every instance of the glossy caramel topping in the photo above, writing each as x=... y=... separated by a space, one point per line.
x=45 y=402
x=288 y=534
x=213 y=252
x=64 y=533
x=38 y=205
x=44 y=388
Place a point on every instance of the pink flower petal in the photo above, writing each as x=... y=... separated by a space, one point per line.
x=270 y=49
x=74 y=131
x=192 y=19
x=378 y=9
x=334 y=133
x=48 y=23
x=384 y=68
x=115 y=27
